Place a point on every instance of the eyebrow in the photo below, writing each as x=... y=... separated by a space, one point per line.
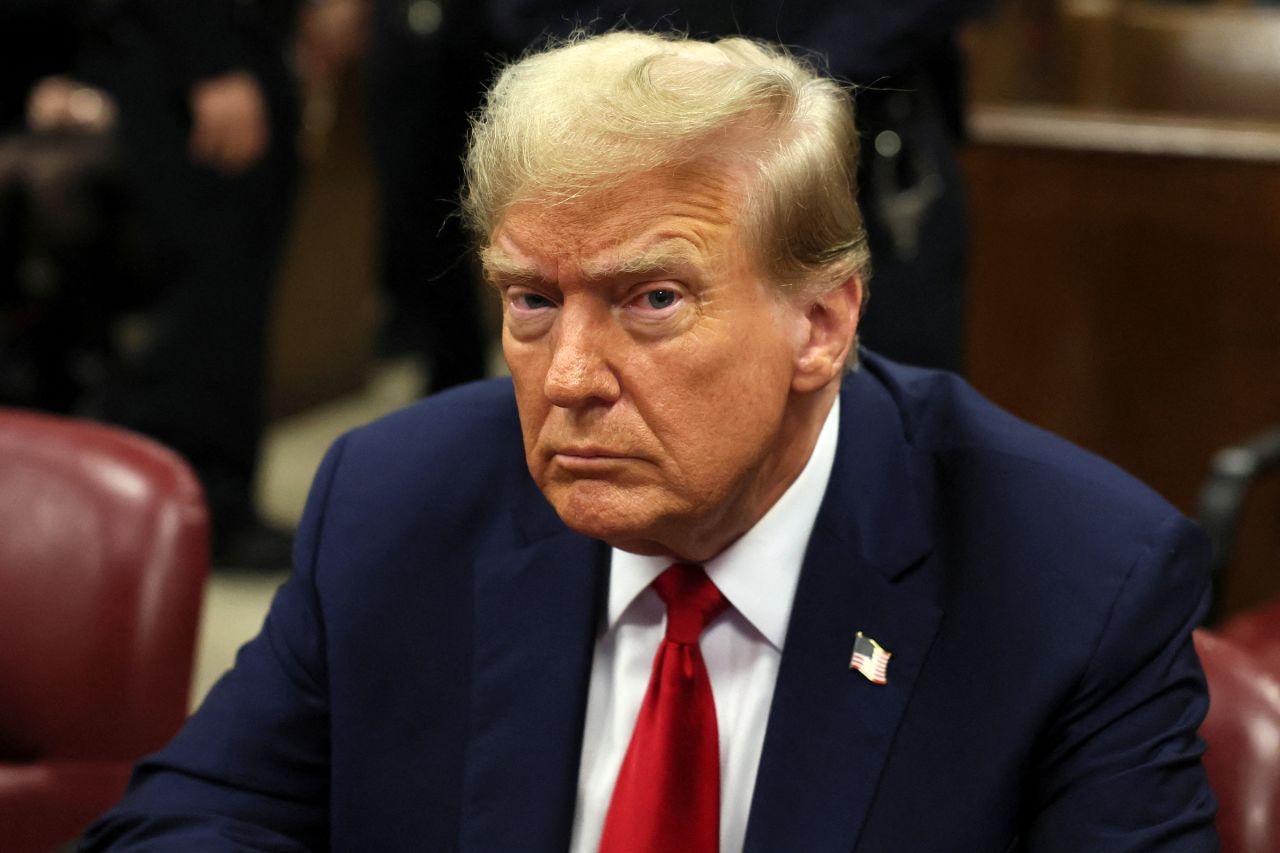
x=666 y=256
x=499 y=267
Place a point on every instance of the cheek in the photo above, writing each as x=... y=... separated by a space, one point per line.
x=715 y=430
x=530 y=426
x=530 y=401
x=513 y=351
x=528 y=363
x=748 y=379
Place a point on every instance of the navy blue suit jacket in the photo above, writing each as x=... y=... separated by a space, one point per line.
x=420 y=682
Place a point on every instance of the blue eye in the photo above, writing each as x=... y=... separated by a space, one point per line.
x=659 y=299
x=532 y=301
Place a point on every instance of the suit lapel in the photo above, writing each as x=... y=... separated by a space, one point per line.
x=866 y=569
x=536 y=606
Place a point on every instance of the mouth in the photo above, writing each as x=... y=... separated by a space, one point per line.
x=587 y=452
x=588 y=459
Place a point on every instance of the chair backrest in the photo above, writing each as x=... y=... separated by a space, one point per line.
x=1242 y=731
x=1257 y=631
x=104 y=550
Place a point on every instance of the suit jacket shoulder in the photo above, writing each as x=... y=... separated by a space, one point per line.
x=1060 y=694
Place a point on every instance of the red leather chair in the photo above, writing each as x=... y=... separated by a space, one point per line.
x=1257 y=631
x=1242 y=731
x=104 y=551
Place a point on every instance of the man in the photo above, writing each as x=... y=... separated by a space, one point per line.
x=926 y=626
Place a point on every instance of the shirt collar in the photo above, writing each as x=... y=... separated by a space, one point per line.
x=758 y=573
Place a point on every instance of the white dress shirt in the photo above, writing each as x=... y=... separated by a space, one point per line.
x=758 y=575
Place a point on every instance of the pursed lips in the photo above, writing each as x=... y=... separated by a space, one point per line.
x=585 y=458
x=589 y=452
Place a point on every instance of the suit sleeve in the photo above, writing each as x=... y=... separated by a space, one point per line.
x=1121 y=768
x=199 y=36
x=250 y=769
x=867 y=40
x=192 y=40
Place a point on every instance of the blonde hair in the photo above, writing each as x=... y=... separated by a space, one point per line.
x=587 y=114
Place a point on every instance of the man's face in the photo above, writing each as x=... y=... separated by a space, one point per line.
x=653 y=364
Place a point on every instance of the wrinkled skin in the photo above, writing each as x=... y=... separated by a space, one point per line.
x=668 y=392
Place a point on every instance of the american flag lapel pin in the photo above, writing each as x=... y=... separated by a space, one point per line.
x=870 y=659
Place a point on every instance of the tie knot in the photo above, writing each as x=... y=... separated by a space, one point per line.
x=692 y=601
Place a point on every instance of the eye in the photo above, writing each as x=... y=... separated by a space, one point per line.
x=525 y=301
x=533 y=301
x=659 y=301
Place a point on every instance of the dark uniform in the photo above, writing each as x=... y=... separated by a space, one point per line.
x=37 y=38
x=51 y=206
x=427 y=65
x=212 y=241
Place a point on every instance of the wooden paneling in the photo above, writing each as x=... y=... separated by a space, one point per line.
x=1204 y=59
x=1128 y=298
x=1017 y=53
x=1201 y=61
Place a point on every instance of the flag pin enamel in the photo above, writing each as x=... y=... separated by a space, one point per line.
x=870 y=659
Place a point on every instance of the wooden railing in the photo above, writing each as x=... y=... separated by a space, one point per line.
x=1125 y=293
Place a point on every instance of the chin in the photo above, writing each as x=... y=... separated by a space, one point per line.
x=620 y=516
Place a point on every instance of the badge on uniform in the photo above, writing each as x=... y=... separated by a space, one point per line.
x=870 y=659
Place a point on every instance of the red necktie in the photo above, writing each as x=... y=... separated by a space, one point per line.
x=667 y=797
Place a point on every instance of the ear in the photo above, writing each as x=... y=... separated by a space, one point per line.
x=832 y=320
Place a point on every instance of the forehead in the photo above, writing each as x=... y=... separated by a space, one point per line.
x=670 y=218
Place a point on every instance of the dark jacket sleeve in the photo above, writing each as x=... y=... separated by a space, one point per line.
x=198 y=36
x=865 y=40
x=250 y=769
x=1131 y=723
x=207 y=38
x=187 y=40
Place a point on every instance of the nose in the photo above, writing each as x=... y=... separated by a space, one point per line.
x=580 y=371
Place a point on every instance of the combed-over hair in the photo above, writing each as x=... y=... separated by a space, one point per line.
x=585 y=115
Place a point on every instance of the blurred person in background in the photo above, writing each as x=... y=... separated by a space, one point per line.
x=56 y=200
x=203 y=107
x=907 y=64
x=427 y=67
x=425 y=64
x=37 y=38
